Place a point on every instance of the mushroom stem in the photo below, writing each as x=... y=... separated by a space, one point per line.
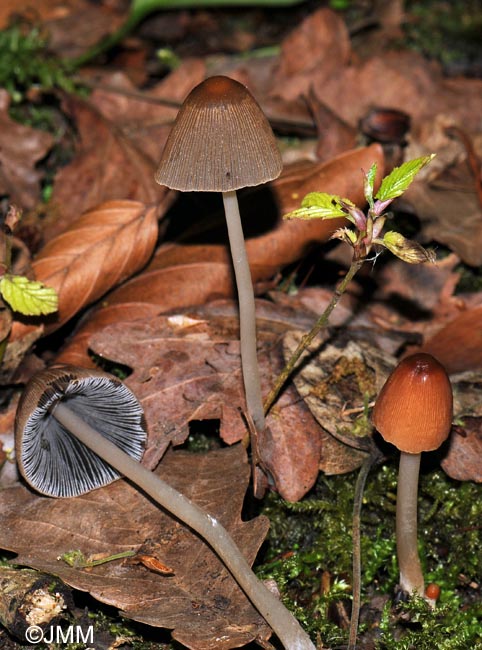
x=247 y=313
x=283 y=623
x=411 y=576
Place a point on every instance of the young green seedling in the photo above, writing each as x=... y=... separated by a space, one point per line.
x=365 y=236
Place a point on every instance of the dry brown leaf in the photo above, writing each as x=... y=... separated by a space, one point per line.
x=72 y=25
x=451 y=217
x=280 y=245
x=187 y=367
x=101 y=249
x=410 y=84
x=20 y=148
x=336 y=380
x=108 y=166
x=201 y=603
x=458 y=345
x=75 y=352
x=318 y=48
x=462 y=460
x=415 y=298
x=142 y=121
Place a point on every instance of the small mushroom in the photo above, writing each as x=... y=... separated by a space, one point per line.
x=413 y=412
x=77 y=430
x=220 y=142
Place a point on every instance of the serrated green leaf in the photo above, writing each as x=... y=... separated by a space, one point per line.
x=370 y=183
x=28 y=297
x=319 y=205
x=401 y=178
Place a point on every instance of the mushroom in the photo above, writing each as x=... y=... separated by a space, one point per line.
x=220 y=142
x=413 y=412
x=77 y=430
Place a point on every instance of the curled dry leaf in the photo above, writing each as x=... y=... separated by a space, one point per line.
x=20 y=148
x=200 y=601
x=102 y=248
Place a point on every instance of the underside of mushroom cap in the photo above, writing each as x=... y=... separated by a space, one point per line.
x=221 y=141
x=49 y=457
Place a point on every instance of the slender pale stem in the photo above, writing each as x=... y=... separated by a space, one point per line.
x=356 y=579
x=282 y=622
x=308 y=338
x=411 y=576
x=247 y=313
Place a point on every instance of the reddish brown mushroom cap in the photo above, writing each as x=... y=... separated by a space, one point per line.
x=221 y=141
x=415 y=406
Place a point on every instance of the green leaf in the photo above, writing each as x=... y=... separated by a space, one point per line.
x=401 y=178
x=319 y=205
x=28 y=297
x=370 y=183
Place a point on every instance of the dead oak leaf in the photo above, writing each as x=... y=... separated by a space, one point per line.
x=200 y=602
x=21 y=147
x=187 y=367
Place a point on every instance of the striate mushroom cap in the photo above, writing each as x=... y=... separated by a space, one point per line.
x=415 y=406
x=221 y=141
x=52 y=460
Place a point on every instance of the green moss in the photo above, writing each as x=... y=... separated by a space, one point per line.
x=445 y=628
x=26 y=64
x=447 y=31
x=470 y=279
x=309 y=554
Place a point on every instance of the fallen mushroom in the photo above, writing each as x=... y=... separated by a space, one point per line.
x=77 y=430
x=413 y=412
x=220 y=142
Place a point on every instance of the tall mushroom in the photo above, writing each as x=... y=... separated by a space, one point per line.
x=77 y=430
x=220 y=142
x=414 y=412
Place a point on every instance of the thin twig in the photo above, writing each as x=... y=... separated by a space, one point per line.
x=368 y=463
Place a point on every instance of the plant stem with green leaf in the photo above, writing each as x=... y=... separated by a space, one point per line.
x=366 y=234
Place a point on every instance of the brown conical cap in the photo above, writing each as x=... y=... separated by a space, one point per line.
x=220 y=141
x=415 y=406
